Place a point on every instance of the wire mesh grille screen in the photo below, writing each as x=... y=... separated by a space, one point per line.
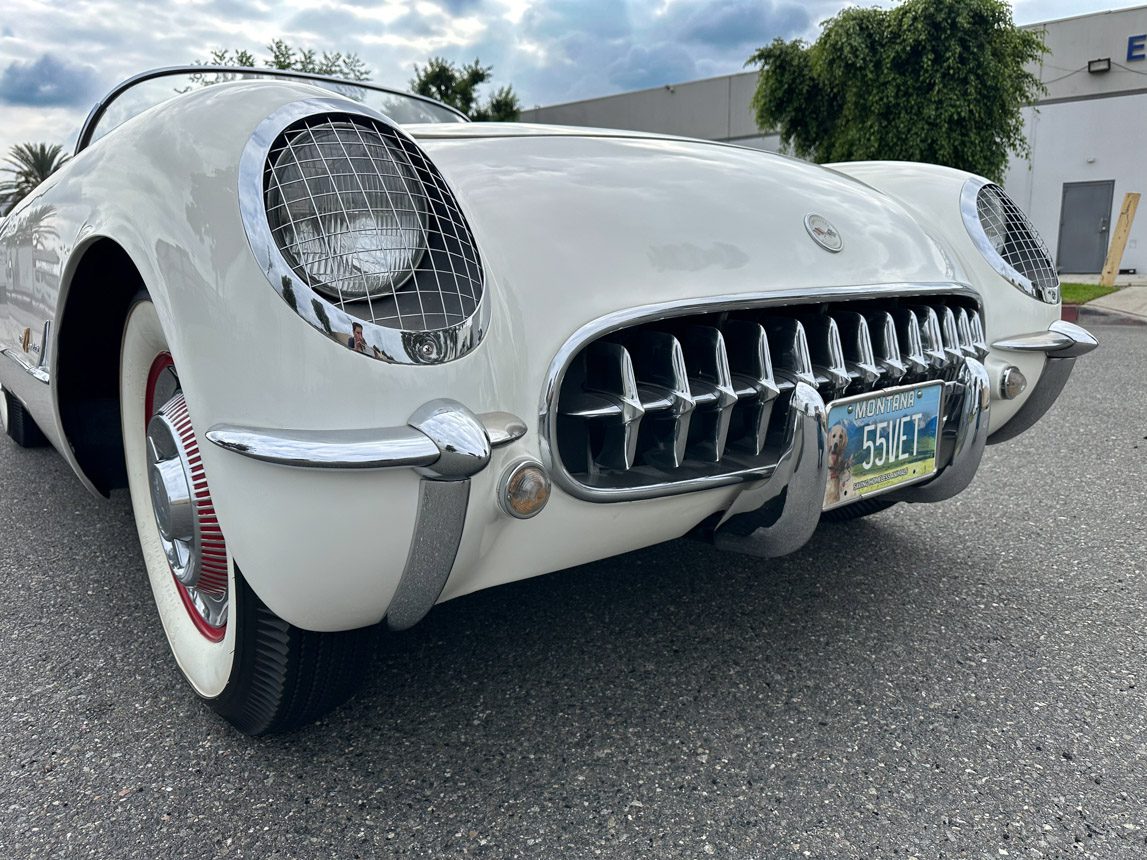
x=362 y=216
x=1016 y=240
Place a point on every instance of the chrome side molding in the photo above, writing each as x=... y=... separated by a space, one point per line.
x=1062 y=343
x=41 y=370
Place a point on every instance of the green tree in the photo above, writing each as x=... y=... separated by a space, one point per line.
x=29 y=164
x=281 y=55
x=457 y=86
x=940 y=81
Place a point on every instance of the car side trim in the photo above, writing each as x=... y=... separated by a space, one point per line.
x=40 y=371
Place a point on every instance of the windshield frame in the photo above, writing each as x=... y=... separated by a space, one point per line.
x=100 y=108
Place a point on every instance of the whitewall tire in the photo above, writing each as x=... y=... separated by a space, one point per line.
x=259 y=672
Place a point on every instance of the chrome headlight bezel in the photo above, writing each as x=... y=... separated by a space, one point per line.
x=1045 y=287
x=425 y=321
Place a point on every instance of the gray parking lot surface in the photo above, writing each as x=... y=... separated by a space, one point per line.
x=964 y=679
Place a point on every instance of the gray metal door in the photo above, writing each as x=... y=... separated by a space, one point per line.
x=1084 y=226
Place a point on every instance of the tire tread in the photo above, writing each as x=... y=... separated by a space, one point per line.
x=856 y=510
x=284 y=677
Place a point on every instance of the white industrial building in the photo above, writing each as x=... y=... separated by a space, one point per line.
x=1088 y=133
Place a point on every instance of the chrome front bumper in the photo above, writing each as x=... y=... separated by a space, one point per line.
x=444 y=441
x=1062 y=343
x=778 y=515
x=770 y=516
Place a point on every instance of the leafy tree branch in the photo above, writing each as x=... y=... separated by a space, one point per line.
x=941 y=81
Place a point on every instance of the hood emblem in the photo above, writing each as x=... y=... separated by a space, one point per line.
x=823 y=233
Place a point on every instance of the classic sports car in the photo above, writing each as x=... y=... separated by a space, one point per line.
x=352 y=355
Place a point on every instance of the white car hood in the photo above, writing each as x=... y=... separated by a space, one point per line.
x=664 y=218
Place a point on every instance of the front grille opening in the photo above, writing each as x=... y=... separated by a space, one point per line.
x=363 y=218
x=707 y=395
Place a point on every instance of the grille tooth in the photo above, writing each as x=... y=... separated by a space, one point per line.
x=950 y=334
x=608 y=398
x=747 y=345
x=911 y=339
x=882 y=328
x=930 y=337
x=663 y=387
x=979 y=341
x=827 y=354
x=859 y=356
x=789 y=346
x=711 y=384
x=964 y=333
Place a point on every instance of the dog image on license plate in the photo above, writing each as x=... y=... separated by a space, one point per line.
x=880 y=441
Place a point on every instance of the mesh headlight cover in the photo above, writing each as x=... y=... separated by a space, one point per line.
x=1016 y=243
x=346 y=209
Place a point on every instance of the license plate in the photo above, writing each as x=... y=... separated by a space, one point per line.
x=881 y=440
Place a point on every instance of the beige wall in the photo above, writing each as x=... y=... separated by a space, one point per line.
x=1074 y=41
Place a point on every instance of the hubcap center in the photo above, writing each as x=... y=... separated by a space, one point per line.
x=171 y=498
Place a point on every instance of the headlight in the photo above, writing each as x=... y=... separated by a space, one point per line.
x=1008 y=240
x=359 y=233
x=346 y=209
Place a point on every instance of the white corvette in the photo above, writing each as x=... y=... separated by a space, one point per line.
x=352 y=355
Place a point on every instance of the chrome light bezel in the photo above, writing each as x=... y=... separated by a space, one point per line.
x=969 y=211
x=383 y=343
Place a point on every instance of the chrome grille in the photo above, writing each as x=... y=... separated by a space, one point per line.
x=1013 y=237
x=689 y=399
x=348 y=198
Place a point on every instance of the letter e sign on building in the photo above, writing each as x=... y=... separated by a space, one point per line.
x=1137 y=47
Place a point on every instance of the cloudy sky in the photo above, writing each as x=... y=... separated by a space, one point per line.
x=58 y=56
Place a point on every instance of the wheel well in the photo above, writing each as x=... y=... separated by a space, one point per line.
x=87 y=361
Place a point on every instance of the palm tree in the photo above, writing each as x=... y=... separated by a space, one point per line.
x=30 y=164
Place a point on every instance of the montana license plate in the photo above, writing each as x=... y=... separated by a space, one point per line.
x=880 y=441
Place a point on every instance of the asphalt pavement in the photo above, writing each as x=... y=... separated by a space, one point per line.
x=967 y=679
